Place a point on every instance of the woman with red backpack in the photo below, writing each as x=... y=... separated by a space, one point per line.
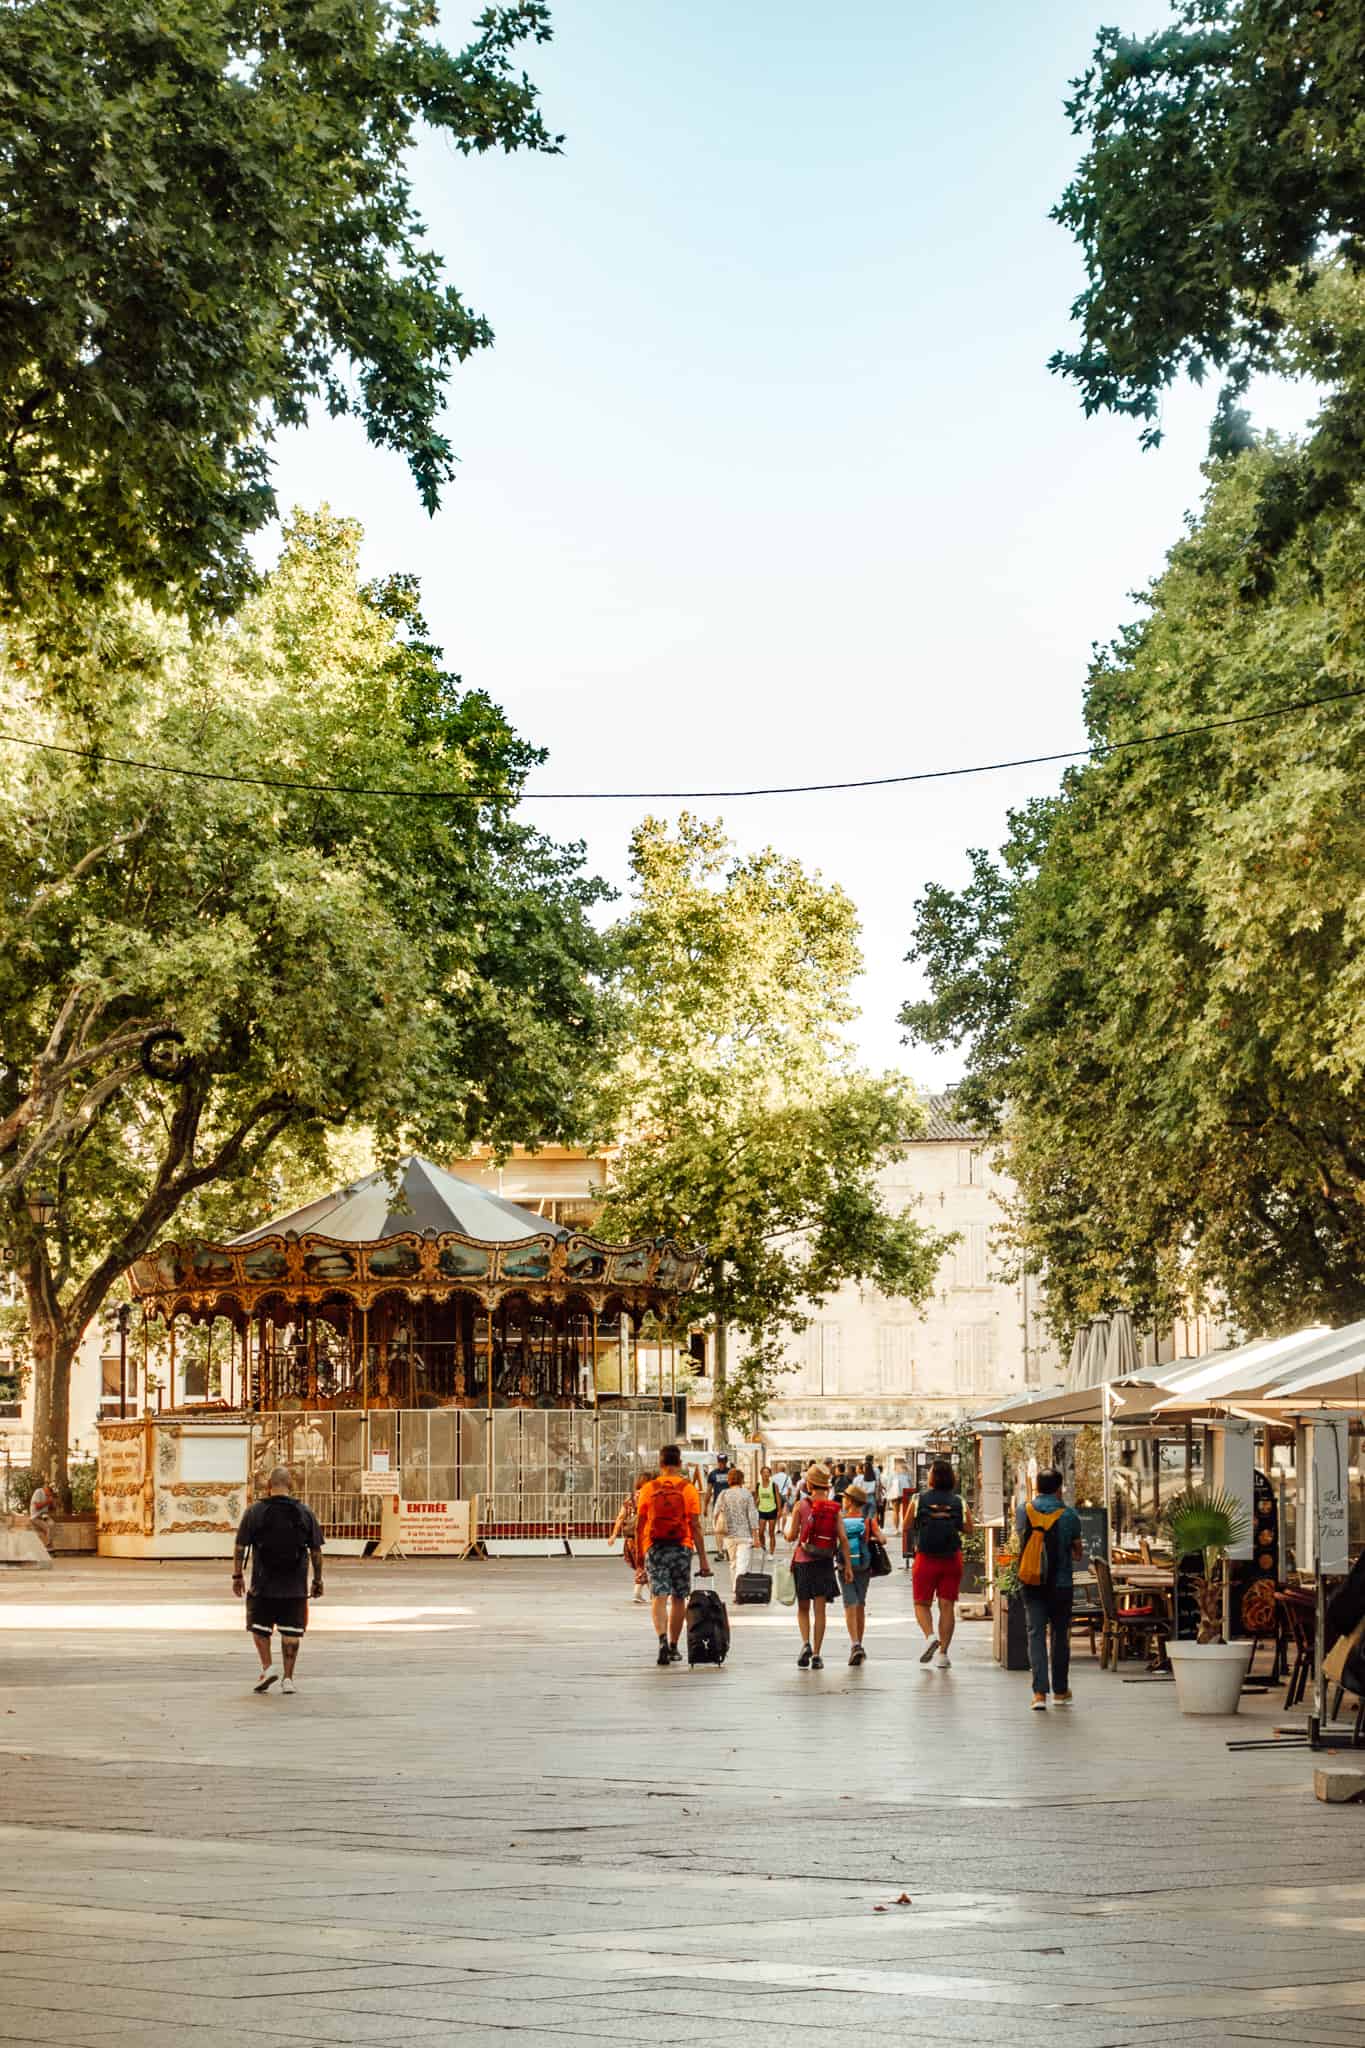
x=816 y=1527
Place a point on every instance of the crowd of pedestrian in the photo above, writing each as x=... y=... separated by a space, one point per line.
x=835 y=1522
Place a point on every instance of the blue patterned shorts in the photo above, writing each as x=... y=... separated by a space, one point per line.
x=670 y=1570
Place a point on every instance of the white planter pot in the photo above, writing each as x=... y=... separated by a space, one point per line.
x=1209 y=1676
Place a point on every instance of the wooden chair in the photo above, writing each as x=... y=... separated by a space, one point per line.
x=1145 y=1546
x=1126 y=1624
x=1085 y=1620
x=1297 y=1616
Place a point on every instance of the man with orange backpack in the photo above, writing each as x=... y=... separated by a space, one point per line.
x=668 y=1533
x=816 y=1527
x=1050 y=1546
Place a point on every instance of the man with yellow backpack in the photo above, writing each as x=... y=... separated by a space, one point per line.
x=1050 y=1547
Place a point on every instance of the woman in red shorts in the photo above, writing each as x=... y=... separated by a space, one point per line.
x=940 y=1518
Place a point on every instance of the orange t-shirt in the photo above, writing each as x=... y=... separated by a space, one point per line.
x=645 y=1510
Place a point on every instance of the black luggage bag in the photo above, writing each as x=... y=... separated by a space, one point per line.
x=708 y=1628
x=753 y=1589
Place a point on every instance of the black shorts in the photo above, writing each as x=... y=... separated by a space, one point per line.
x=816 y=1580
x=264 y=1613
x=768 y=1514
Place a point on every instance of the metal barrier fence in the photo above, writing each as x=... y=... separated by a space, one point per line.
x=537 y=1471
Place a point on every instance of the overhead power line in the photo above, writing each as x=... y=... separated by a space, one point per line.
x=607 y=796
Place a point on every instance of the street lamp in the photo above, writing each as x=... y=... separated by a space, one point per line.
x=42 y=1207
x=125 y=1309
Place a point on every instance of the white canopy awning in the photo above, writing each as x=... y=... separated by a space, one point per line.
x=1275 y=1375
x=876 y=1436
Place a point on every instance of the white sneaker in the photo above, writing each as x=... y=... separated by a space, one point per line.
x=943 y=1662
x=287 y=1685
x=266 y=1679
x=929 y=1649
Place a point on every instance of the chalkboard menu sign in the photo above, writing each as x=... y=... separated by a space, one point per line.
x=1094 y=1531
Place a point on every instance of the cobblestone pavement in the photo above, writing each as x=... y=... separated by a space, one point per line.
x=487 y=1817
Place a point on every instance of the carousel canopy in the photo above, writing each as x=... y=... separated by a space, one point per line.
x=421 y=1197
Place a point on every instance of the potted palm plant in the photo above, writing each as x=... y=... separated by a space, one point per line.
x=1209 y=1672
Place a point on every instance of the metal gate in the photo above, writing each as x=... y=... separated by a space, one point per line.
x=543 y=1472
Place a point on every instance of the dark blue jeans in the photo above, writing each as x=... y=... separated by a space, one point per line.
x=1049 y=1612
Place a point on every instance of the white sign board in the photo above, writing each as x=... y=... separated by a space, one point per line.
x=427 y=1528
x=992 y=1478
x=378 y=1481
x=1329 y=1457
x=214 y=1457
x=1234 y=1458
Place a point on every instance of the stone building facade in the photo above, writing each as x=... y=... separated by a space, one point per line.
x=872 y=1372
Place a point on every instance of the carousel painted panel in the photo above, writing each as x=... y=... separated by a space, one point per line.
x=171 y=1488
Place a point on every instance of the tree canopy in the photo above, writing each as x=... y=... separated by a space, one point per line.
x=1220 y=206
x=207 y=226
x=425 y=966
x=1160 y=982
x=746 y=1128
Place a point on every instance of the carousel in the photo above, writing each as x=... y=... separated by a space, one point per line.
x=412 y=1337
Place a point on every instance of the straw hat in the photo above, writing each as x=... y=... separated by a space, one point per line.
x=857 y=1493
x=818 y=1475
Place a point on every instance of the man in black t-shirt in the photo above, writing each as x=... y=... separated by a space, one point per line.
x=283 y=1537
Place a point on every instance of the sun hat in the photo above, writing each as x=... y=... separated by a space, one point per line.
x=818 y=1475
x=856 y=1493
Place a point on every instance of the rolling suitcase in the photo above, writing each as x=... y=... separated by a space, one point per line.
x=753 y=1589
x=708 y=1628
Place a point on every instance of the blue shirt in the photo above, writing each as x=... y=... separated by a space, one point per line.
x=1068 y=1530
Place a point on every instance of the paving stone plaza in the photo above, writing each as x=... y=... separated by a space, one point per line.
x=487 y=1817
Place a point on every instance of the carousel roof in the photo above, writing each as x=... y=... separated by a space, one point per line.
x=422 y=1197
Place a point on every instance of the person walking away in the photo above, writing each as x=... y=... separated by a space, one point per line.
x=625 y=1527
x=901 y=1492
x=940 y=1517
x=668 y=1535
x=860 y=1532
x=42 y=1511
x=737 y=1525
x=768 y=1500
x=870 y=1480
x=718 y=1478
x=282 y=1535
x=816 y=1527
x=1051 y=1545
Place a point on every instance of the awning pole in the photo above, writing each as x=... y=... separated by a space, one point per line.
x=1106 y=1453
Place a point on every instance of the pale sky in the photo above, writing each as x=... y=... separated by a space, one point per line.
x=765 y=479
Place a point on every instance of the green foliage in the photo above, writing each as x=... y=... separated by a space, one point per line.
x=746 y=1129
x=22 y=1482
x=1206 y=1522
x=1223 y=187
x=208 y=225
x=740 y=1404
x=82 y=1480
x=1160 y=983
x=428 y=968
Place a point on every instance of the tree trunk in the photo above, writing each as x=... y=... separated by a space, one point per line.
x=721 y=1360
x=53 y=1352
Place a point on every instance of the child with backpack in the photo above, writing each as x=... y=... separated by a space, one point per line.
x=940 y=1517
x=816 y=1527
x=861 y=1531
